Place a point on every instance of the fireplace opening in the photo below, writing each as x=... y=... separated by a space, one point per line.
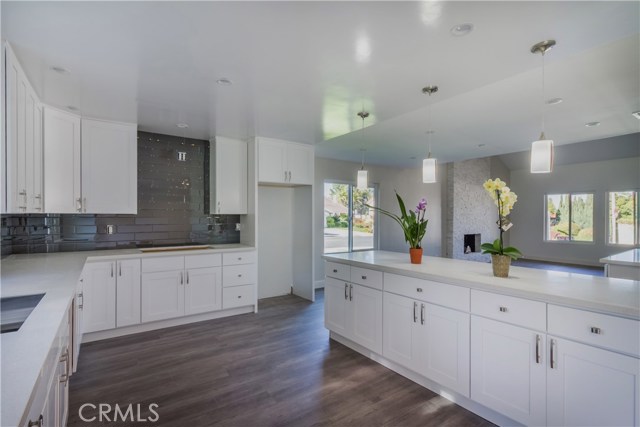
x=471 y=243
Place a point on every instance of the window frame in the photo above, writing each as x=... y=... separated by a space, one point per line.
x=376 y=235
x=546 y=218
x=637 y=220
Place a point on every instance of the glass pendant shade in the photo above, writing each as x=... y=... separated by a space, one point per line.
x=542 y=155
x=362 y=182
x=429 y=170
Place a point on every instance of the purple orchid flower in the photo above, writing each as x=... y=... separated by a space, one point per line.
x=422 y=205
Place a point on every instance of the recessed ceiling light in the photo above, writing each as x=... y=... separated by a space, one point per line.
x=412 y=157
x=481 y=145
x=592 y=124
x=461 y=29
x=430 y=132
x=182 y=125
x=636 y=114
x=224 y=81
x=554 y=101
x=72 y=108
x=59 y=70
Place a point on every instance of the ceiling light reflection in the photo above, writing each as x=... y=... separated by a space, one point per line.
x=363 y=49
x=430 y=11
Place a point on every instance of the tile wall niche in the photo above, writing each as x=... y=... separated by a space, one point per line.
x=173 y=206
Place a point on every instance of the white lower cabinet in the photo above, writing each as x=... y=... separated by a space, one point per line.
x=508 y=373
x=588 y=386
x=99 y=296
x=431 y=340
x=169 y=294
x=128 y=292
x=355 y=312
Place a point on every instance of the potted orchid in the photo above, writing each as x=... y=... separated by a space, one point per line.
x=414 y=226
x=504 y=199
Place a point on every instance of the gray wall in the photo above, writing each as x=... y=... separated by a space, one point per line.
x=599 y=177
x=408 y=183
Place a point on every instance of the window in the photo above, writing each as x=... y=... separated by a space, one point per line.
x=622 y=218
x=349 y=225
x=569 y=217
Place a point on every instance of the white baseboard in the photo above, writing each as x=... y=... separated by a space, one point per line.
x=318 y=284
x=450 y=395
x=151 y=326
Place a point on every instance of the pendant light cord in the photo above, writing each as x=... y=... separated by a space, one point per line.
x=543 y=93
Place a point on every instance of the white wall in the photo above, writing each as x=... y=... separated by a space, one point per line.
x=275 y=263
x=408 y=183
x=527 y=233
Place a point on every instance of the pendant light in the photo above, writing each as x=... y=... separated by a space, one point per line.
x=362 y=179
x=429 y=164
x=542 y=149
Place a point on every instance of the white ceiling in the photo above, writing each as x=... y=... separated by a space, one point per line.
x=302 y=70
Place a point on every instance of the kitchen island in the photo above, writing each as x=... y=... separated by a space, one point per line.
x=625 y=265
x=537 y=348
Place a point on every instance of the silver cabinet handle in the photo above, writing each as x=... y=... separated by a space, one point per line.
x=503 y=309
x=415 y=315
x=84 y=205
x=285 y=176
x=65 y=359
x=239 y=275
x=218 y=207
x=38 y=196
x=79 y=204
x=239 y=258
x=419 y=289
x=364 y=277
x=552 y=356
x=187 y=277
x=335 y=270
x=81 y=303
x=181 y=278
x=111 y=269
x=37 y=423
x=346 y=287
x=596 y=330
x=120 y=269
x=538 y=348
x=23 y=193
x=289 y=176
x=422 y=314
x=350 y=292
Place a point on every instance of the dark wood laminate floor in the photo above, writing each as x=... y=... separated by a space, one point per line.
x=274 y=368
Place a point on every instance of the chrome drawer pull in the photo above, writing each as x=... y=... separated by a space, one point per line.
x=239 y=275
x=364 y=277
x=552 y=358
x=350 y=292
x=346 y=288
x=37 y=423
x=538 y=348
x=335 y=270
x=415 y=315
x=422 y=314
x=595 y=330
x=503 y=309
x=419 y=289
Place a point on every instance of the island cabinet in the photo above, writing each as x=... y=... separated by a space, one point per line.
x=354 y=306
x=430 y=339
x=513 y=359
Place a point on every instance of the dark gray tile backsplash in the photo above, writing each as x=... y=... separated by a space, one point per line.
x=173 y=205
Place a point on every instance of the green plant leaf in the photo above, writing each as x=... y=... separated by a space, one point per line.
x=496 y=245
x=512 y=252
x=403 y=210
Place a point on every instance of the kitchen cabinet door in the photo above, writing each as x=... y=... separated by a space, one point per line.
x=77 y=323
x=128 y=292
x=272 y=156
x=506 y=375
x=228 y=160
x=62 y=162
x=109 y=167
x=162 y=295
x=400 y=315
x=99 y=296
x=300 y=158
x=365 y=311
x=443 y=347
x=588 y=386
x=336 y=296
x=203 y=290
x=35 y=164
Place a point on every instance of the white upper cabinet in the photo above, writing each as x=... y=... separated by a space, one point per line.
x=283 y=162
x=62 y=161
x=23 y=165
x=109 y=167
x=229 y=176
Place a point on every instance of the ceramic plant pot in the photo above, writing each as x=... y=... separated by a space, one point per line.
x=500 y=264
x=416 y=255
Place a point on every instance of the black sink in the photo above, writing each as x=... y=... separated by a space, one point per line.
x=15 y=310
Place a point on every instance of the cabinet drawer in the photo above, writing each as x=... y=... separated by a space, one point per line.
x=527 y=313
x=234 y=258
x=155 y=264
x=237 y=296
x=203 y=260
x=336 y=270
x=234 y=275
x=366 y=277
x=456 y=297
x=598 y=329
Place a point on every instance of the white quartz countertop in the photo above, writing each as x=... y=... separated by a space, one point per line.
x=630 y=257
x=56 y=275
x=618 y=297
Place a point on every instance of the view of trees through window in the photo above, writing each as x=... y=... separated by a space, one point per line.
x=349 y=223
x=623 y=218
x=570 y=217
